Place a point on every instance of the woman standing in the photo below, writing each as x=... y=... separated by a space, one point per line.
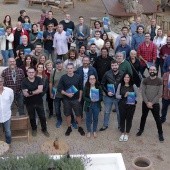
x=135 y=65
x=92 y=106
x=105 y=37
x=41 y=59
x=6 y=22
x=110 y=49
x=159 y=41
x=6 y=45
x=20 y=59
x=41 y=73
x=72 y=58
x=126 y=108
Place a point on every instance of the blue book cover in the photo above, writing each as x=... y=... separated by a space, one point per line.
x=95 y=94
x=91 y=40
x=20 y=40
x=149 y=64
x=80 y=34
x=54 y=91
x=131 y=98
x=68 y=32
x=40 y=34
x=111 y=88
x=169 y=82
x=72 y=89
x=106 y=21
x=26 y=26
x=27 y=51
x=2 y=32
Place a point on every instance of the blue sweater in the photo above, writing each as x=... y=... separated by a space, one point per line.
x=137 y=40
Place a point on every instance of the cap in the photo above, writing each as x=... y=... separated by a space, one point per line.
x=58 y=61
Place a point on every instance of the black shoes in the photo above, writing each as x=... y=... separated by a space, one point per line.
x=161 y=138
x=139 y=133
x=46 y=133
x=81 y=131
x=34 y=133
x=69 y=130
x=103 y=128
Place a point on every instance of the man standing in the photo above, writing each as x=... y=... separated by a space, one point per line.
x=152 y=29
x=67 y=23
x=146 y=53
x=6 y=99
x=98 y=41
x=32 y=87
x=113 y=76
x=81 y=33
x=102 y=63
x=151 y=93
x=71 y=99
x=37 y=52
x=50 y=20
x=48 y=36
x=123 y=47
x=13 y=77
x=125 y=31
x=166 y=94
x=60 y=43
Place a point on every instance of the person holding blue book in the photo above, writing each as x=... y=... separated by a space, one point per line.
x=127 y=94
x=92 y=95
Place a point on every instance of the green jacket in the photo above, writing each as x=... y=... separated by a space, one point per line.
x=126 y=67
x=88 y=100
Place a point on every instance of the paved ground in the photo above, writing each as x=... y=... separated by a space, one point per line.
x=107 y=142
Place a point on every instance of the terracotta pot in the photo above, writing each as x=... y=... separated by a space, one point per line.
x=141 y=163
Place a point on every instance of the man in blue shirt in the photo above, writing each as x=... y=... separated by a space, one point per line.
x=135 y=25
x=123 y=47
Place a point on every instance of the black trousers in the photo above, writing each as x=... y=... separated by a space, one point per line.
x=41 y=114
x=155 y=112
x=50 y=103
x=126 y=112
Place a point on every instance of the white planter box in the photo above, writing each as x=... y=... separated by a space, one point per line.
x=113 y=161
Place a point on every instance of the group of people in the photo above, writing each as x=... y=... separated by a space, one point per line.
x=55 y=73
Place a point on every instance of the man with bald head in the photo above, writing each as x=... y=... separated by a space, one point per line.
x=13 y=77
x=67 y=23
x=25 y=45
x=18 y=31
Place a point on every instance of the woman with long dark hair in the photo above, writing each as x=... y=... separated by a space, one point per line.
x=127 y=93
x=20 y=59
x=7 y=21
x=92 y=105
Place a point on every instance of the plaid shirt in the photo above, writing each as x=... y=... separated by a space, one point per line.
x=148 y=53
x=8 y=80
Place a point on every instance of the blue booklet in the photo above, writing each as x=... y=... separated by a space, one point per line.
x=27 y=51
x=40 y=34
x=54 y=91
x=91 y=40
x=131 y=98
x=94 y=94
x=111 y=88
x=169 y=82
x=2 y=32
x=27 y=26
x=72 y=89
x=106 y=21
x=68 y=32
x=80 y=34
x=20 y=40
x=149 y=64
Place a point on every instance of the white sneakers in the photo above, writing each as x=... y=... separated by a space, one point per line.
x=123 y=138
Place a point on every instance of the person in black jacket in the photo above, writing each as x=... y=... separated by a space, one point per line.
x=102 y=63
x=111 y=77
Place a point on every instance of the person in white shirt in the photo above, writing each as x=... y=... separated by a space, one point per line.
x=159 y=41
x=6 y=99
x=60 y=43
x=98 y=41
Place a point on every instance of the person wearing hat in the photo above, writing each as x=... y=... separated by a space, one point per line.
x=55 y=76
x=22 y=15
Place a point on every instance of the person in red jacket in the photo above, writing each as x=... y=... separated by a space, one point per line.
x=18 y=31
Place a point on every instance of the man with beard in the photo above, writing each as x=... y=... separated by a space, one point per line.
x=113 y=76
x=67 y=23
x=152 y=88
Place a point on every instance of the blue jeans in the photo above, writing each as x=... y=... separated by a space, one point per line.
x=94 y=111
x=7 y=54
x=108 y=102
x=20 y=102
x=53 y=57
x=7 y=129
x=165 y=104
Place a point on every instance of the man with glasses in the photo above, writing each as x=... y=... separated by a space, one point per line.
x=147 y=53
x=32 y=88
x=48 y=36
x=152 y=87
x=13 y=77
